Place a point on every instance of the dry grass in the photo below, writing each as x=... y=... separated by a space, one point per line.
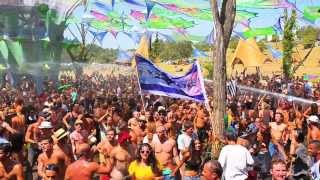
x=311 y=66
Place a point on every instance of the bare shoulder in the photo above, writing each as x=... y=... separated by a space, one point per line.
x=17 y=167
x=41 y=157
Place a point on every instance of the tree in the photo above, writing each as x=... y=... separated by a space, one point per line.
x=174 y=50
x=156 y=48
x=262 y=45
x=308 y=35
x=223 y=22
x=288 y=43
x=202 y=46
x=233 y=43
x=81 y=53
x=184 y=49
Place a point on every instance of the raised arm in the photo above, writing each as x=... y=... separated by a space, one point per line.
x=65 y=121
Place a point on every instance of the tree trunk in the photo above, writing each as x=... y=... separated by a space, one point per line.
x=223 y=21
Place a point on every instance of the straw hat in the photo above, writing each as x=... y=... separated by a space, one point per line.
x=59 y=134
x=78 y=121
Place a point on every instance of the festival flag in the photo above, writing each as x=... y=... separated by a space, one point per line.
x=100 y=36
x=150 y=5
x=134 y=2
x=102 y=6
x=232 y=88
x=143 y=49
x=152 y=80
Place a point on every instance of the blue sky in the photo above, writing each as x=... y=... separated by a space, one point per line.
x=266 y=17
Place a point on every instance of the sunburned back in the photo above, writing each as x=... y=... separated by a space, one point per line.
x=18 y=123
x=80 y=170
x=59 y=158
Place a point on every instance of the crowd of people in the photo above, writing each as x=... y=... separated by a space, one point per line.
x=98 y=127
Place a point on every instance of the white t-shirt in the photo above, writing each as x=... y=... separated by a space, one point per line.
x=234 y=160
x=315 y=171
x=155 y=139
x=183 y=142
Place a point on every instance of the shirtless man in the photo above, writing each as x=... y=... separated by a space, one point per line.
x=165 y=149
x=33 y=134
x=9 y=169
x=137 y=134
x=18 y=124
x=62 y=152
x=105 y=146
x=278 y=128
x=299 y=120
x=278 y=133
x=84 y=169
x=162 y=117
x=313 y=128
x=18 y=121
x=120 y=157
x=45 y=156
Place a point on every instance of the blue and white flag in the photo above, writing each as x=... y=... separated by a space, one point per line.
x=155 y=81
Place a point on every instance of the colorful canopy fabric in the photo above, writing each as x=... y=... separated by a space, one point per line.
x=172 y=19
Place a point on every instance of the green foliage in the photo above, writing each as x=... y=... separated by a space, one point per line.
x=156 y=48
x=288 y=43
x=233 y=43
x=203 y=46
x=262 y=45
x=94 y=54
x=209 y=67
x=308 y=35
x=171 y=50
x=275 y=38
x=100 y=55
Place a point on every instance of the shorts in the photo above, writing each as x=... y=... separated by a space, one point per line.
x=191 y=177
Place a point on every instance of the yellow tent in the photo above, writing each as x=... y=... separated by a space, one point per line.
x=143 y=49
x=248 y=54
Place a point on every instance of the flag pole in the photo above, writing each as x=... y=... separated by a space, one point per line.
x=206 y=101
x=140 y=90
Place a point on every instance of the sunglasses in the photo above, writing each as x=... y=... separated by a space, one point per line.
x=144 y=152
x=53 y=176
